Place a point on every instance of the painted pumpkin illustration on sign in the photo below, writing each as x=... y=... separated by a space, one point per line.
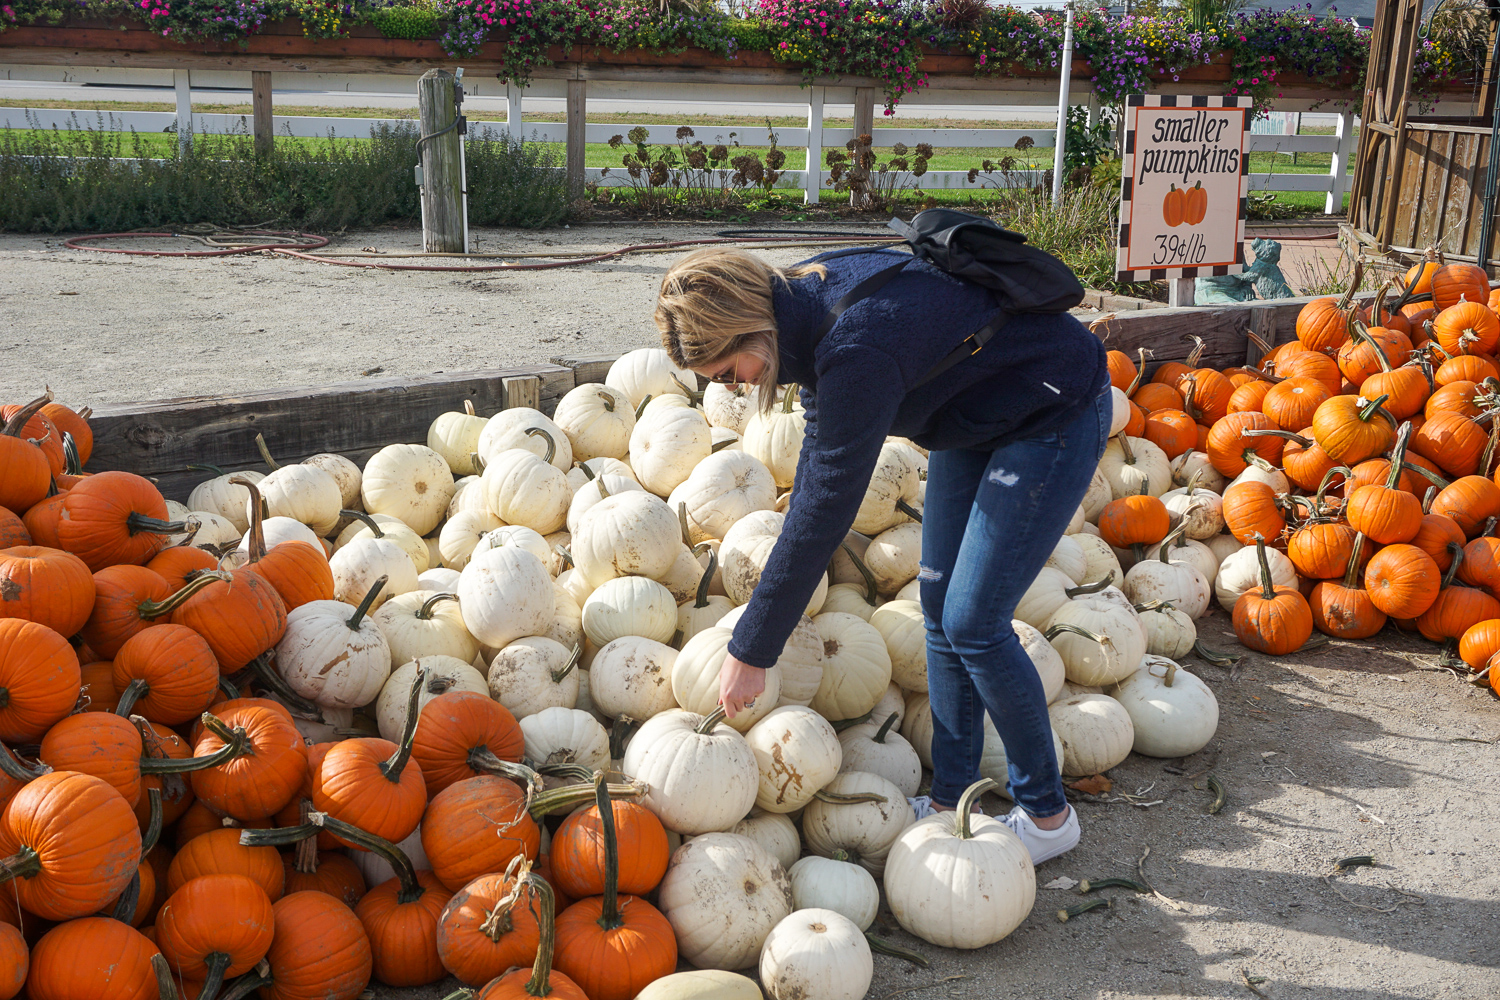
x=1195 y=204
x=1174 y=207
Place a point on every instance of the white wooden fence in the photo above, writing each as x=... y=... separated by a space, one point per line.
x=814 y=137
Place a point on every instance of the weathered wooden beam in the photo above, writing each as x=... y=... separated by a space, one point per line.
x=576 y=159
x=161 y=439
x=521 y=390
x=261 y=111
x=587 y=367
x=442 y=176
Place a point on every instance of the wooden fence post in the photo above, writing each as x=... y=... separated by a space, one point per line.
x=513 y=123
x=864 y=121
x=813 y=184
x=442 y=182
x=260 y=106
x=182 y=83
x=1338 y=168
x=577 y=121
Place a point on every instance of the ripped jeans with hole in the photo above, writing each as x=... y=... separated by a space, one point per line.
x=990 y=522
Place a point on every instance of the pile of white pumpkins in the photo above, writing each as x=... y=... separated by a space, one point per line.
x=590 y=567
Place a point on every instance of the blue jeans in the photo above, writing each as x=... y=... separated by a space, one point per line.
x=990 y=522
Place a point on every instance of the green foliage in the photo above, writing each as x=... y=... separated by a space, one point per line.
x=749 y=34
x=1088 y=144
x=76 y=180
x=413 y=21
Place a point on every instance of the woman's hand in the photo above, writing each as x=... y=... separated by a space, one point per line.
x=739 y=685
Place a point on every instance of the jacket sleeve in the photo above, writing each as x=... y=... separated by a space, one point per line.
x=859 y=391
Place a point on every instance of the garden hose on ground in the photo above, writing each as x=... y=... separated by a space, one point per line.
x=225 y=243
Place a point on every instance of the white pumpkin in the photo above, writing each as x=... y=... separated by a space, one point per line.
x=521 y=488
x=1259 y=471
x=959 y=880
x=390 y=528
x=856 y=666
x=916 y=726
x=565 y=736
x=797 y=753
x=1098 y=496
x=632 y=676
x=995 y=765
x=1178 y=583
x=877 y=748
x=585 y=472
x=747 y=549
x=303 y=493
x=465 y=498
x=526 y=429
x=443 y=674
x=1068 y=556
x=1192 y=552
x=410 y=482
x=1223 y=546
x=1196 y=466
x=597 y=420
x=1240 y=572
x=816 y=953
x=800 y=663
x=1201 y=510
x=226 y=499
x=567 y=620
x=648 y=371
x=904 y=628
x=685 y=575
x=455 y=436
x=359 y=564
x=594 y=490
x=666 y=444
x=1132 y=464
x=533 y=674
x=1099 y=642
x=631 y=533
x=730 y=406
x=842 y=568
x=894 y=700
x=695 y=679
x=835 y=884
x=1048 y=663
x=1169 y=632
x=702 y=984
x=773 y=831
x=851 y=600
x=505 y=594
x=865 y=830
x=216 y=533
x=461 y=532
x=1051 y=589
x=1095 y=730
x=704 y=610
x=894 y=557
x=439 y=580
x=1173 y=712
x=333 y=654
x=517 y=535
x=721 y=489
x=629 y=605
x=1120 y=414
x=722 y=894
x=775 y=437
x=893 y=482
x=425 y=623
x=700 y=774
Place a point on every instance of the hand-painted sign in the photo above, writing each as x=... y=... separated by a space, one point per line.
x=1184 y=181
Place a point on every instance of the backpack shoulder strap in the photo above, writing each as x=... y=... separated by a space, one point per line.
x=971 y=345
x=863 y=290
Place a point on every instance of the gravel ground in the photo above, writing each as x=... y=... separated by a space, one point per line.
x=1342 y=751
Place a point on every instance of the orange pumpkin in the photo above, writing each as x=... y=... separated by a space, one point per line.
x=47 y=586
x=126 y=601
x=1271 y=619
x=39 y=681
x=1253 y=509
x=259 y=784
x=490 y=925
x=1437 y=533
x=324 y=871
x=219 y=852
x=1174 y=206
x=1249 y=395
x=13 y=531
x=1137 y=520
x=459 y=830
x=179 y=564
x=1455 y=397
x=1402 y=580
x=1467 y=328
x=540 y=980
x=1155 y=396
x=371 y=784
x=1122 y=371
x=1314 y=365
x=114 y=518
x=1228 y=441
x=15 y=961
x=1470 y=501
x=1467 y=368
x=238 y=613
x=457 y=735
x=1291 y=403
x=25 y=472
x=1322 y=550
x=1351 y=429
x=93 y=957
x=1455 y=283
x=1453 y=442
x=167 y=673
x=319 y=950
x=1195 y=204
x=1480 y=642
x=214 y=927
x=1173 y=431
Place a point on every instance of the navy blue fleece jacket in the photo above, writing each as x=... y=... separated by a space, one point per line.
x=1037 y=374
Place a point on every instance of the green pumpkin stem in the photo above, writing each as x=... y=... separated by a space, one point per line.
x=251 y=982
x=483 y=760
x=1090 y=588
x=425 y=611
x=884 y=947
x=842 y=725
x=1398 y=457
x=610 y=917
x=885 y=727
x=406 y=872
x=588 y=473
x=909 y=511
x=14 y=768
x=789 y=397
x=72 y=466
x=137 y=689
x=682 y=522
x=257 y=542
x=166 y=988
x=1267 y=588
x=392 y=768
x=561 y=674
x=236 y=744
x=965 y=808
x=265 y=452
x=369 y=521
x=704 y=581
x=25 y=863
x=1456 y=553
x=607 y=399
x=138 y=523
x=540 y=983
x=218 y=963
x=153 y=822
x=1351 y=571
x=642 y=407
x=570 y=797
x=272 y=679
x=871 y=597
x=848 y=798
x=548 y=438
x=710 y=720
x=128 y=900
x=151 y=610
x=364 y=605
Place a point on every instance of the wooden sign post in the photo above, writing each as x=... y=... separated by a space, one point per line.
x=1184 y=183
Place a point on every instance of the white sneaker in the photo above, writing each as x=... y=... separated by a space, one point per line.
x=1043 y=845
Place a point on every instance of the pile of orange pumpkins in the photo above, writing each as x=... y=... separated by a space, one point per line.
x=1369 y=442
x=165 y=833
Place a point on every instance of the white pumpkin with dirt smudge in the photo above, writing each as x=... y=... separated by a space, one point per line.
x=745 y=551
x=797 y=752
x=1099 y=641
x=530 y=430
x=521 y=488
x=700 y=774
x=1132 y=465
x=816 y=953
x=443 y=674
x=916 y=726
x=893 y=481
x=894 y=557
x=631 y=533
x=629 y=605
x=408 y=481
x=632 y=676
x=1095 y=730
x=995 y=765
x=878 y=748
x=960 y=880
x=775 y=832
x=425 y=623
x=800 y=662
x=333 y=654
x=505 y=594
x=848 y=817
x=722 y=894
x=534 y=674
x=904 y=628
x=695 y=679
x=702 y=984
x=392 y=529
x=303 y=493
x=224 y=498
x=1240 y=573
x=720 y=490
x=835 y=884
x=730 y=406
x=1169 y=632
x=856 y=666
x=461 y=533
x=565 y=736
x=597 y=420
x=596 y=489
x=667 y=444
x=1174 y=714
x=1100 y=561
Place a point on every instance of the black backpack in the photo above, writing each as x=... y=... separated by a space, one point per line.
x=1021 y=278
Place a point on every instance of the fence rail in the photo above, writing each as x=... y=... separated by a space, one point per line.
x=1333 y=184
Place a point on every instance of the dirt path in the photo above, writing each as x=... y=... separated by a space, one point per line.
x=1343 y=751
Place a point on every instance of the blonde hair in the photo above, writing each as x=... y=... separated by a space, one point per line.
x=717 y=302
